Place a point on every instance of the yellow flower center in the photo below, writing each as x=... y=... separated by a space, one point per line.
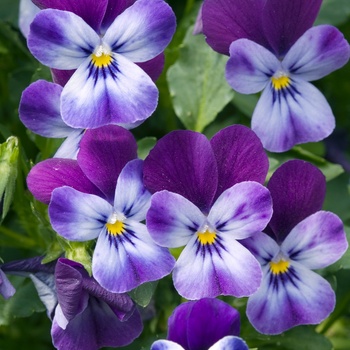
x=101 y=57
x=206 y=237
x=279 y=267
x=116 y=228
x=280 y=82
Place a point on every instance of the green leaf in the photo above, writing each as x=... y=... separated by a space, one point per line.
x=142 y=295
x=145 y=145
x=80 y=252
x=197 y=83
x=334 y=12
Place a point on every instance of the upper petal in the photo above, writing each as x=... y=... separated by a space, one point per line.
x=114 y=9
x=230 y=343
x=27 y=12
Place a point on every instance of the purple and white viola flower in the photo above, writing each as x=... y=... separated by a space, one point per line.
x=27 y=12
x=208 y=197
x=300 y=238
x=107 y=86
x=204 y=324
x=273 y=49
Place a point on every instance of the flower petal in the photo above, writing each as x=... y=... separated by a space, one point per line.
x=165 y=345
x=6 y=288
x=225 y=21
x=70 y=146
x=298 y=296
x=292 y=115
x=142 y=31
x=240 y=157
x=27 y=12
x=39 y=110
x=284 y=21
x=319 y=52
x=60 y=76
x=230 y=343
x=153 y=67
x=250 y=66
x=298 y=190
x=182 y=162
x=122 y=262
x=119 y=93
x=172 y=219
x=49 y=174
x=103 y=154
x=61 y=39
x=78 y=216
x=316 y=242
x=242 y=210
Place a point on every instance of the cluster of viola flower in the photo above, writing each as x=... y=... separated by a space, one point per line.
x=240 y=237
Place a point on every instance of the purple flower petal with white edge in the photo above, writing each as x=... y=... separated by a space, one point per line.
x=298 y=113
x=70 y=146
x=319 y=52
x=125 y=256
x=172 y=219
x=103 y=154
x=39 y=110
x=240 y=156
x=182 y=162
x=316 y=242
x=135 y=201
x=284 y=21
x=142 y=31
x=27 y=12
x=230 y=343
x=199 y=324
x=213 y=266
x=298 y=190
x=6 y=288
x=61 y=39
x=250 y=66
x=165 y=345
x=225 y=21
x=49 y=174
x=78 y=216
x=288 y=298
x=118 y=92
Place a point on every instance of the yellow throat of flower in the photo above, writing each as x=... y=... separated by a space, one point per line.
x=101 y=57
x=116 y=228
x=279 y=267
x=206 y=237
x=280 y=82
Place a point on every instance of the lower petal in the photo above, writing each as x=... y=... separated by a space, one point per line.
x=165 y=345
x=230 y=343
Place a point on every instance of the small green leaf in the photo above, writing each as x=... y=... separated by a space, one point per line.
x=145 y=145
x=80 y=252
x=142 y=295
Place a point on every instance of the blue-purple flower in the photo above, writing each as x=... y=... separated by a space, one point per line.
x=107 y=86
x=207 y=199
x=204 y=324
x=273 y=49
x=7 y=290
x=300 y=238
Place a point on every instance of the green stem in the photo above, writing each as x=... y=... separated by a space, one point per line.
x=20 y=239
x=189 y=6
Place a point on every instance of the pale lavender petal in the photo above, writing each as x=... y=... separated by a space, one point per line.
x=225 y=21
x=27 y=12
x=222 y=268
x=250 y=66
x=61 y=39
x=284 y=21
x=39 y=110
x=240 y=156
x=131 y=197
x=298 y=190
x=78 y=216
x=289 y=116
x=319 y=52
x=142 y=31
x=122 y=262
x=103 y=154
x=6 y=288
x=230 y=343
x=165 y=345
x=298 y=296
x=120 y=93
x=70 y=146
x=172 y=219
x=242 y=210
x=316 y=242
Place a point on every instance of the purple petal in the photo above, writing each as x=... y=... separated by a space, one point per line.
x=183 y=162
x=230 y=343
x=114 y=9
x=242 y=210
x=61 y=77
x=316 y=242
x=142 y=31
x=153 y=67
x=172 y=219
x=285 y=21
x=320 y=51
x=298 y=190
x=122 y=262
x=250 y=66
x=165 y=345
x=240 y=157
x=298 y=296
x=103 y=154
x=70 y=146
x=39 y=110
x=61 y=39
x=27 y=12
x=198 y=25
x=91 y=11
x=44 y=177
x=199 y=324
x=225 y=21
x=6 y=288
x=291 y=115
x=121 y=94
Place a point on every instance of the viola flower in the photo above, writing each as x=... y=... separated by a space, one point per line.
x=273 y=49
x=207 y=199
x=301 y=238
x=27 y=12
x=204 y=324
x=107 y=86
